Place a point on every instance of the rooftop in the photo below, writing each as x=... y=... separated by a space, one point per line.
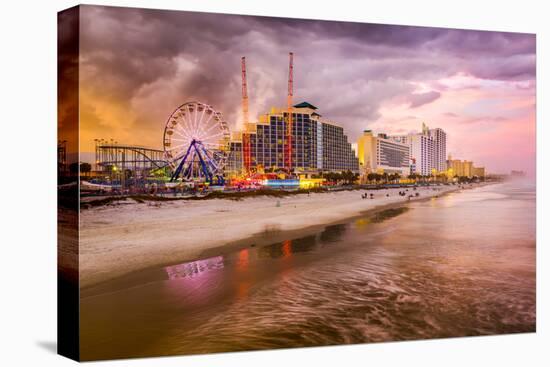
x=305 y=105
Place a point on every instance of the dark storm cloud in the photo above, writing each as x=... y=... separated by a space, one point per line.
x=151 y=60
x=67 y=78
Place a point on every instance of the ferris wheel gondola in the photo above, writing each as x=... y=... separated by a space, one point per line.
x=196 y=143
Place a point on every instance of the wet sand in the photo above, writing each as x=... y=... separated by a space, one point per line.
x=121 y=239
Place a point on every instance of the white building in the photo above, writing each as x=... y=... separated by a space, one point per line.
x=427 y=150
x=440 y=148
x=423 y=153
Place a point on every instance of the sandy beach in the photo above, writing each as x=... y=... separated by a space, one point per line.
x=118 y=239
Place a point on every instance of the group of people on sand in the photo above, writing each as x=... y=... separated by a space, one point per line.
x=404 y=193
x=367 y=196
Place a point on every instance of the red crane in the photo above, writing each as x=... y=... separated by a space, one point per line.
x=246 y=135
x=288 y=150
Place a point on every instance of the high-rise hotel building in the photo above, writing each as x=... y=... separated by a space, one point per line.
x=422 y=148
x=379 y=154
x=428 y=150
x=335 y=153
x=439 y=138
x=317 y=144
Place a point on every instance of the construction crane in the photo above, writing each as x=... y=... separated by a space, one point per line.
x=244 y=91
x=246 y=134
x=288 y=150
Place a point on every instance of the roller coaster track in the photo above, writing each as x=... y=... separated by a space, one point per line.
x=159 y=163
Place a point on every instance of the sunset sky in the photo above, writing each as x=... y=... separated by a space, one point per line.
x=137 y=66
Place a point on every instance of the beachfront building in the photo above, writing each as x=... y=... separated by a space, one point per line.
x=427 y=150
x=516 y=173
x=439 y=138
x=337 y=154
x=478 y=171
x=317 y=144
x=422 y=150
x=457 y=167
x=234 y=164
x=467 y=167
x=379 y=154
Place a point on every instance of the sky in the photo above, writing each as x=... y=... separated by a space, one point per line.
x=136 y=66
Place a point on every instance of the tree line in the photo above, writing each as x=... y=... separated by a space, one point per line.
x=346 y=176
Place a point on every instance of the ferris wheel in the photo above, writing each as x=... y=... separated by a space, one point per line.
x=196 y=143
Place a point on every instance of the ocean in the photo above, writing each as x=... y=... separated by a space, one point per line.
x=462 y=264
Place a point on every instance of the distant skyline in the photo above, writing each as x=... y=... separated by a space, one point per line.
x=138 y=65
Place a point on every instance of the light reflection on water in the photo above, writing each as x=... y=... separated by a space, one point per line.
x=462 y=264
x=194 y=268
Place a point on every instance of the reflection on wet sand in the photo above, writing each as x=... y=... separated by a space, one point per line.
x=462 y=264
x=193 y=268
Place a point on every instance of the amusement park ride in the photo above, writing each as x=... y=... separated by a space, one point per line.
x=196 y=141
x=196 y=147
x=196 y=138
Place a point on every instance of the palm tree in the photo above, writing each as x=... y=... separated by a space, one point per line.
x=349 y=176
x=85 y=168
x=395 y=176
